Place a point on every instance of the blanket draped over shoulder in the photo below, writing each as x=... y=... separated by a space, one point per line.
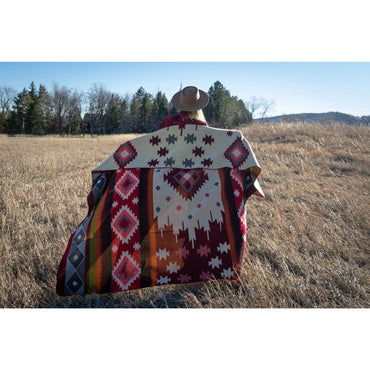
x=168 y=207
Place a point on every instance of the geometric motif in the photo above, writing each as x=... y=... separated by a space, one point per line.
x=237 y=153
x=125 y=154
x=205 y=276
x=223 y=248
x=76 y=257
x=74 y=283
x=98 y=186
x=239 y=196
x=80 y=234
x=187 y=200
x=75 y=262
x=126 y=271
x=126 y=184
x=184 y=278
x=188 y=162
x=227 y=273
x=163 y=280
x=203 y=250
x=186 y=182
x=237 y=183
x=124 y=224
x=190 y=138
x=125 y=215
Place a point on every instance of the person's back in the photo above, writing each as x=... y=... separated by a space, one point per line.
x=167 y=207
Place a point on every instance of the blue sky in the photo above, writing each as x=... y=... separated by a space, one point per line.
x=296 y=87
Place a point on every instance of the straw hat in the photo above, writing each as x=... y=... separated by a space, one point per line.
x=190 y=99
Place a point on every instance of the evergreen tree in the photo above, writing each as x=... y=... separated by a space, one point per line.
x=140 y=112
x=32 y=112
x=43 y=112
x=134 y=111
x=242 y=114
x=113 y=115
x=160 y=108
x=172 y=111
x=125 y=115
x=223 y=110
x=145 y=118
x=18 y=120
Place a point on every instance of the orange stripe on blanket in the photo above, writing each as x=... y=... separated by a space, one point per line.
x=99 y=263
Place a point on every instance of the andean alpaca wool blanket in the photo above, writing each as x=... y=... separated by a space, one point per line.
x=168 y=207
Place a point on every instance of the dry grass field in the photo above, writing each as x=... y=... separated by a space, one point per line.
x=308 y=240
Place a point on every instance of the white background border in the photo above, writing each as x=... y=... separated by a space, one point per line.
x=188 y=31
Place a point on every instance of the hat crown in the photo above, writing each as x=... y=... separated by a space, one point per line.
x=190 y=99
x=189 y=96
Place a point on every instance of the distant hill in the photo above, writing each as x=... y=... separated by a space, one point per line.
x=320 y=118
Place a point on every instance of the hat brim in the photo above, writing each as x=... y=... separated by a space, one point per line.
x=201 y=102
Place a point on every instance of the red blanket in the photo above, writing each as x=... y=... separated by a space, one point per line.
x=165 y=208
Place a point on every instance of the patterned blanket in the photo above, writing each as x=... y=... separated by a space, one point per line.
x=166 y=208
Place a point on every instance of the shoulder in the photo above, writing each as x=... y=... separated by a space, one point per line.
x=169 y=121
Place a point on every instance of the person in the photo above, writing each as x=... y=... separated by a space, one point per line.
x=168 y=207
x=189 y=102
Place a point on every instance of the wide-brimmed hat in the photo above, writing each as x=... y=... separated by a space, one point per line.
x=190 y=99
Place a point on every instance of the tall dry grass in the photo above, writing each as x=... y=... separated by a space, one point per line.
x=307 y=240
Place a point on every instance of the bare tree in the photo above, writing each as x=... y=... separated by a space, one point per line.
x=84 y=111
x=259 y=105
x=266 y=107
x=7 y=95
x=67 y=107
x=59 y=100
x=253 y=104
x=74 y=108
x=98 y=102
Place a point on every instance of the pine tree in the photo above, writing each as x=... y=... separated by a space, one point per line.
x=242 y=115
x=140 y=112
x=18 y=121
x=134 y=112
x=145 y=118
x=113 y=114
x=43 y=111
x=125 y=115
x=160 y=108
x=223 y=110
x=32 y=113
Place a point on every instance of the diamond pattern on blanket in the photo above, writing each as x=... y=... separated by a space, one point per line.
x=126 y=184
x=125 y=224
x=98 y=186
x=74 y=283
x=125 y=271
x=237 y=153
x=186 y=182
x=125 y=154
x=76 y=257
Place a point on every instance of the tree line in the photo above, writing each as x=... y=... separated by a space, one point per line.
x=64 y=111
